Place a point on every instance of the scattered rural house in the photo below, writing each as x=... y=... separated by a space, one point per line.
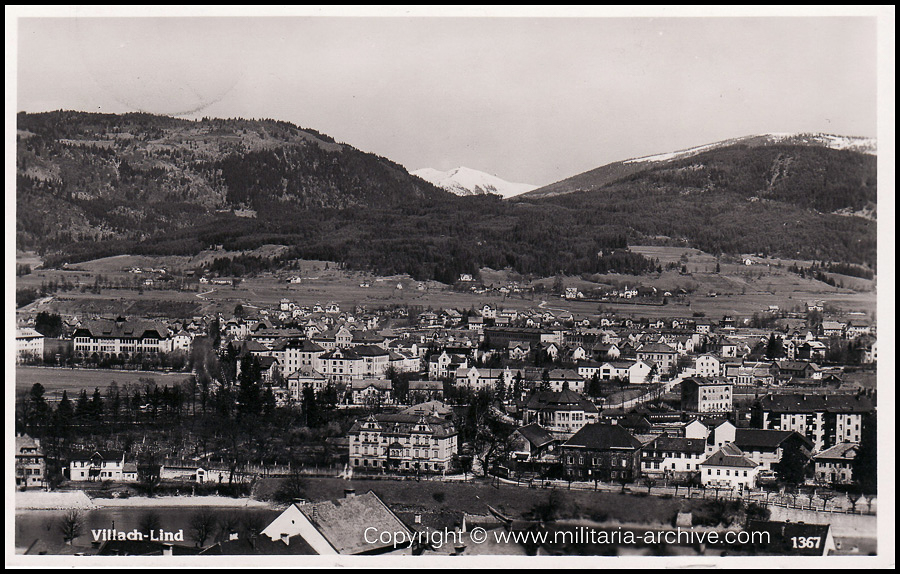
x=96 y=466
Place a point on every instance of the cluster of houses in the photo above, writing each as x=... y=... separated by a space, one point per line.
x=541 y=368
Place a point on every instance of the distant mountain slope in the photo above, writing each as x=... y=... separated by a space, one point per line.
x=609 y=173
x=466 y=181
x=799 y=200
x=95 y=185
x=134 y=176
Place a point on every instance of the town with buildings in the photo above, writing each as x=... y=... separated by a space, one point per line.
x=772 y=418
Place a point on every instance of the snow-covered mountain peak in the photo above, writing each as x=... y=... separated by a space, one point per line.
x=467 y=181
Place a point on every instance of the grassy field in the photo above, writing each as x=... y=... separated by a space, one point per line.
x=741 y=290
x=511 y=500
x=55 y=380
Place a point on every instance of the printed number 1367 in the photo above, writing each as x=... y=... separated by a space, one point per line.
x=806 y=541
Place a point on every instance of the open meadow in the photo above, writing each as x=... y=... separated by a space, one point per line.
x=736 y=289
x=55 y=380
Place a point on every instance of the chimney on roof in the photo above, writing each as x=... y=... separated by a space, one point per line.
x=286 y=538
x=349 y=492
x=418 y=518
x=167 y=550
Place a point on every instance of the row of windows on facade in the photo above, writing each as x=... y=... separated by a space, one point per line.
x=597 y=462
x=655 y=466
x=727 y=472
x=406 y=465
x=415 y=440
x=395 y=452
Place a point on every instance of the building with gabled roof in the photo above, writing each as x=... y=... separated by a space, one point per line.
x=402 y=442
x=729 y=468
x=533 y=443
x=371 y=391
x=31 y=467
x=782 y=538
x=343 y=526
x=120 y=338
x=766 y=447
x=673 y=457
x=835 y=465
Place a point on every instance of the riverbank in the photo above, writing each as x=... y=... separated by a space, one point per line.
x=40 y=500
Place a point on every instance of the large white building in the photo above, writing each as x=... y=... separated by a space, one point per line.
x=403 y=443
x=826 y=420
x=700 y=395
x=120 y=338
x=29 y=344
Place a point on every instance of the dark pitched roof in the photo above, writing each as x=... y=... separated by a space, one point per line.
x=800 y=403
x=564 y=400
x=123 y=329
x=536 y=434
x=260 y=545
x=781 y=534
x=599 y=436
x=751 y=439
x=729 y=455
x=679 y=444
x=342 y=522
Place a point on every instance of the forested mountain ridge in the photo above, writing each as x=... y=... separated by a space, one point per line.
x=103 y=176
x=93 y=185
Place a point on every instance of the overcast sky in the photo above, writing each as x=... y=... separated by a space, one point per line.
x=531 y=100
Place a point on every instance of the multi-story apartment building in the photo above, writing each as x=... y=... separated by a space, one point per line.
x=701 y=395
x=403 y=443
x=707 y=366
x=673 y=457
x=601 y=452
x=31 y=468
x=121 y=338
x=29 y=344
x=295 y=354
x=663 y=356
x=563 y=413
x=826 y=420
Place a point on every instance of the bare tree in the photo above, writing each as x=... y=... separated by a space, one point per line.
x=826 y=495
x=149 y=522
x=649 y=482
x=202 y=525
x=71 y=525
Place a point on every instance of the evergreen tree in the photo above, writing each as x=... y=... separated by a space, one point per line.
x=792 y=466
x=865 y=465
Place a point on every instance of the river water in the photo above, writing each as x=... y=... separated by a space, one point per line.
x=44 y=524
